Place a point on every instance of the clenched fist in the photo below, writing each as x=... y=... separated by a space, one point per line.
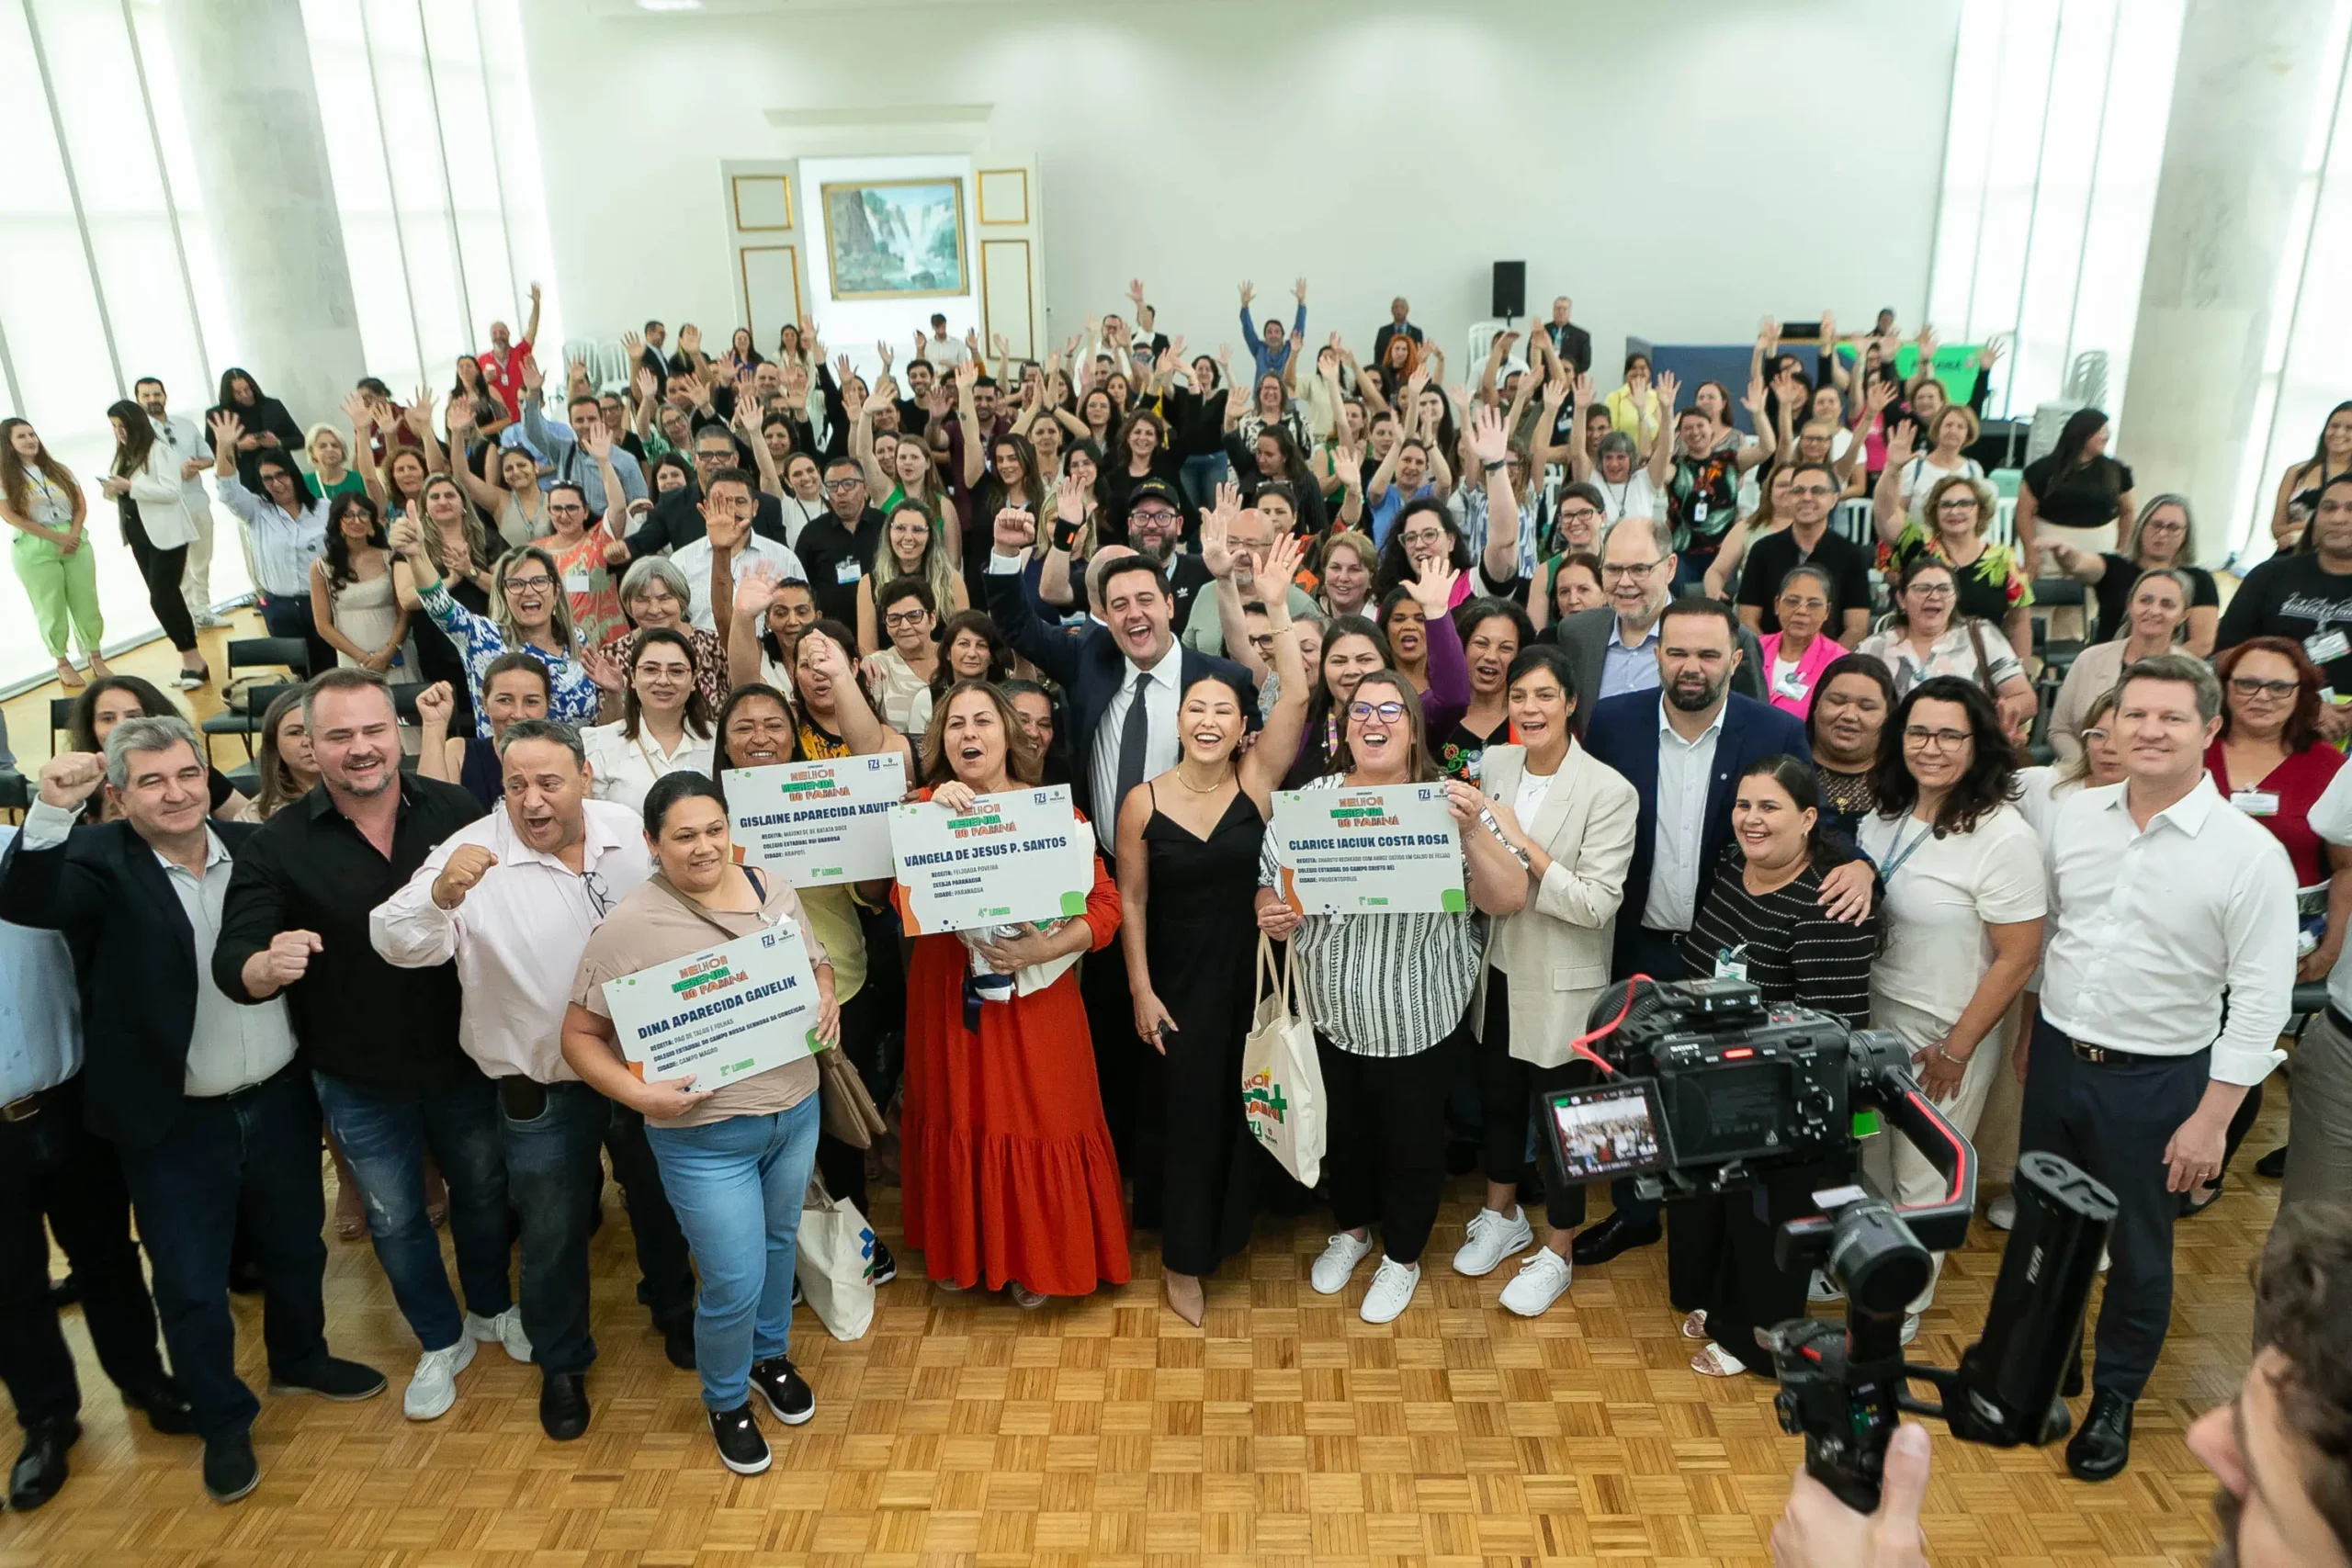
x=466 y=866
x=71 y=777
x=285 y=960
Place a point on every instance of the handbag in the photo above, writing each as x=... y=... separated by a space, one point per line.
x=844 y=1108
x=835 y=1262
x=1983 y=660
x=1282 y=1081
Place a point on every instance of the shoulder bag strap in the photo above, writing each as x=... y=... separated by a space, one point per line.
x=1983 y=662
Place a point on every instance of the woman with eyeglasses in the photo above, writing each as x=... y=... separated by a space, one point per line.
x=1927 y=639
x=533 y=617
x=2161 y=539
x=355 y=600
x=664 y=727
x=2157 y=609
x=1794 y=656
x=1949 y=526
x=1388 y=994
x=653 y=593
x=582 y=547
x=903 y=670
x=1963 y=900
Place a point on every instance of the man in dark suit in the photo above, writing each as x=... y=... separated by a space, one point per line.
x=213 y=1118
x=1397 y=325
x=1684 y=749
x=676 y=522
x=1571 y=343
x=1615 y=646
x=1124 y=677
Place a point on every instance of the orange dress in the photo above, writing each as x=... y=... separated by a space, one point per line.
x=1005 y=1160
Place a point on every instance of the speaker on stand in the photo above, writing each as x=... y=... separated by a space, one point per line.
x=1511 y=289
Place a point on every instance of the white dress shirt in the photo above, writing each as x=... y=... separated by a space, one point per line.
x=518 y=935
x=627 y=769
x=186 y=442
x=2149 y=926
x=231 y=1046
x=694 y=560
x=1685 y=768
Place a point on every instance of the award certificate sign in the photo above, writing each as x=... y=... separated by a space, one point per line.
x=1013 y=857
x=720 y=1014
x=1392 y=850
x=816 y=824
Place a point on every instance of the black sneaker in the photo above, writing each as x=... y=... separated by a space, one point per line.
x=678 y=1339
x=741 y=1447
x=886 y=1267
x=344 y=1382
x=166 y=1407
x=230 y=1468
x=786 y=1393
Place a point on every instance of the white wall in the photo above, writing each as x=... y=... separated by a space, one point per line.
x=1680 y=170
x=853 y=326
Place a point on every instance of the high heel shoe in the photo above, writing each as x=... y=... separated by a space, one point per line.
x=1186 y=1298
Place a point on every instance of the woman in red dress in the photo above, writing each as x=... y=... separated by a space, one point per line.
x=1007 y=1164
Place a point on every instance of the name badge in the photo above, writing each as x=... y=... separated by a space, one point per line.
x=847 y=572
x=2255 y=801
x=575 y=582
x=1728 y=968
x=1792 y=686
x=2328 y=646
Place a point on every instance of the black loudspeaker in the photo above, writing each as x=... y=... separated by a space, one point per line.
x=1510 y=288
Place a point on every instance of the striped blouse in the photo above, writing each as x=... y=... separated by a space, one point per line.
x=1793 y=952
x=1382 y=985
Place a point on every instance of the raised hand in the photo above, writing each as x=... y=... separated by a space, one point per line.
x=603 y=672
x=597 y=443
x=1014 y=531
x=1348 y=463
x=842 y=370
x=689 y=338
x=1754 y=402
x=1880 y=394
x=972 y=339
x=1134 y=291
x=1900 y=443
x=461 y=415
x=1432 y=589
x=406 y=537
x=1555 y=388
x=1248 y=294
x=633 y=344
x=1217 y=528
x=754 y=592
x=1582 y=387
x=968 y=375
x=227 y=428
x=1298 y=290
x=824 y=657
x=1069 y=502
x=1989 y=355
x=1283 y=558
x=420 y=409
x=883 y=349
x=72 y=777
x=532 y=380
x=465 y=867
x=1489 y=441
x=648 y=386
x=435 y=705
x=997 y=347
x=1668 y=388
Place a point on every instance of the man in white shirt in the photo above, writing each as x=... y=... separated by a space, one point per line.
x=727 y=550
x=2162 y=896
x=194 y=454
x=512 y=898
x=944 y=352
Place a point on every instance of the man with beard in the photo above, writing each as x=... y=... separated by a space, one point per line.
x=1683 y=750
x=381 y=1044
x=1615 y=646
x=2278 y=1449
x=1156 y=528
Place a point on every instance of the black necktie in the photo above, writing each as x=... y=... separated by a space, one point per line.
x=1133 y=734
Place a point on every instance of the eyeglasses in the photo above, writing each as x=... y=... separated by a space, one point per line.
x=1811 y=489
x=2247 y=686
x=1630 y=570
x=565 y=508
x=905 y=617
x=1386 y=712
x=1932 y=590
x=598 y=894
x=850 y=483
x=1941 y=739
x=1151 y=514
x=715 y=456
x=1580 y=515
x=528 y=584
x=1424 y=535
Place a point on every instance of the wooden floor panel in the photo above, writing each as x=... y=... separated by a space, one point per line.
x=964 y=1433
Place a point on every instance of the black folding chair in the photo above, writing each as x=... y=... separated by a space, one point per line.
x=60 y=719
x=289 y=653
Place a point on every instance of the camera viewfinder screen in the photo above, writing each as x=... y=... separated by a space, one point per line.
x=1607 y=1130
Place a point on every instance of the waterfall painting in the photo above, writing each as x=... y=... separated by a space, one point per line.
x=894 y=239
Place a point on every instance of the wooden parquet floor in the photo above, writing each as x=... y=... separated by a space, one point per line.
x=964 y=1433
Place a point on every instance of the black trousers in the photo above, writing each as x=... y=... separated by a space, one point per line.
x=1719 y=1258
x=161 y=570
x=1507 y=1088
x=2114 y=1122
x=1659 y=954
x=1131 y=1076
x=1384 y=1154
x=52 y=1166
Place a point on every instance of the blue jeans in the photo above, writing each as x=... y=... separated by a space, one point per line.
x=737 y=1186
x=384 y=1136
x=555 y=1177
x=252 y=1155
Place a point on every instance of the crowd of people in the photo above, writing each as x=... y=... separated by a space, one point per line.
x=1684 y=726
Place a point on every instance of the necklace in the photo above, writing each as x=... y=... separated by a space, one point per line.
x=1196 y=789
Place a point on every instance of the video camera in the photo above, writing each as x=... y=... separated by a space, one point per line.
x=1706 y=1089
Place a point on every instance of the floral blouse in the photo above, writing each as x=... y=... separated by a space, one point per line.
x=1990 y=586
x=572 y=697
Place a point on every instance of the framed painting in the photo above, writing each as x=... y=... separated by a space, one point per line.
x=894 y=239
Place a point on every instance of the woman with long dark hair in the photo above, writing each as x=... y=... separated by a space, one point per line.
x=112 y=698
x=43 y=501
x=1850 y=702
x=2299 y=487
x=970 y=648
x=1493 y=631
x=354 y=598
x=1962 y=903
x=2077 y=493
x=286 y=530
x=1425 y=532
x=1760 y=919
x=144 y=480
x=1353 y=647
x=264 y=428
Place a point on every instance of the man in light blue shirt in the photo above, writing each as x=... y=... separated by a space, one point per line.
x=54 y=1169
x=563 y=448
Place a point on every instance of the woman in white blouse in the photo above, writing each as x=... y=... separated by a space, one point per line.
x=903 y=669
x=1962 y=870
x=1926 y=639
x=146 y=479
x=664 y=726
x=2159 y=608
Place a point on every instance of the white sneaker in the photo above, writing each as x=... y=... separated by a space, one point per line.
x=1541 y=1280
x=2001 y=1214
x=1392 y=1284
x=210 y=622
x=1330 y=1275
x=1488 y=1239
x=433 y=1388
x=1822 y=1288
x=505 y=1329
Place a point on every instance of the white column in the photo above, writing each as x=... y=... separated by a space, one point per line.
x=261 y=156
x=2242 y=105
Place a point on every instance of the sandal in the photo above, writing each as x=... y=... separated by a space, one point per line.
x=69 y=677
x=1694 y=1326
x=1714 y=1362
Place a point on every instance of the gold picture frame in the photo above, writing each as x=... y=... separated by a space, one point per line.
x=859 y=266
x=735 y=185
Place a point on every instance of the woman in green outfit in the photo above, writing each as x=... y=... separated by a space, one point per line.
x=41 y=500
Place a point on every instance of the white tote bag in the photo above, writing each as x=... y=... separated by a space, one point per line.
x=835 y=1263
x=1281 y=1084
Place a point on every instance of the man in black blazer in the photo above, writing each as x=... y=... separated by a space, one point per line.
x=1125 y=677
x=203 y=1098
x=1568 y=341
x=1613 y=646
x=1398 y=324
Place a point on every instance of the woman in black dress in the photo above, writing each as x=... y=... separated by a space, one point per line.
x=1493 y=631
x=1761 y=919
x=1188 y=852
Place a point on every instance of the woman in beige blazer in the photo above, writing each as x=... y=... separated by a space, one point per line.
x=1569 y=819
